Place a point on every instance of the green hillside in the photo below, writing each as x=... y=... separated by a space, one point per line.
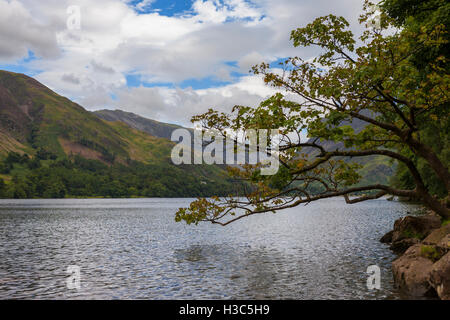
x=53 y=147
x=39 y=118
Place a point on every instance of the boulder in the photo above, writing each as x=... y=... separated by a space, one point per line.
x=439 y=277
x=437 y=235
x=387 y=238
x=415 y=227
x=409 y=231
x=440 y=239
x=411 y=273
x=401 y=246
x=445 y=243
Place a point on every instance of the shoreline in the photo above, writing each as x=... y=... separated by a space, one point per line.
x=422 y=245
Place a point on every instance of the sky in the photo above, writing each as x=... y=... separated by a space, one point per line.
x=162 y=59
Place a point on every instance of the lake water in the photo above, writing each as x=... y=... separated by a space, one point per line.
x=133 y=249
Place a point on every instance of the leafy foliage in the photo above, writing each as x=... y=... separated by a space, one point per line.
x=381 y=80
x=416 y=15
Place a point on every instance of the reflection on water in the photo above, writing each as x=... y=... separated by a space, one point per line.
x=133 y=249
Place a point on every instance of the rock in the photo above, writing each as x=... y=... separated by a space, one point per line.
x=415 y=227
x=411 y=272
x=445 y=243
x=401 y=246
x=431 y=252
x=424 y=267
x=439 y=277
x=440 y=239
x=437 y=235
x=409 y=231
x=387 y=238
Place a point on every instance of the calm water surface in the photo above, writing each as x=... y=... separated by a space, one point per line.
x=133 y=249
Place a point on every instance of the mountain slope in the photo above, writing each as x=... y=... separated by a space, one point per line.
x=32 y=117
x=75 y=153
x=152 y=127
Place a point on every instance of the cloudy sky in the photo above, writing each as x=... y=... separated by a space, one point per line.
x=162 y=59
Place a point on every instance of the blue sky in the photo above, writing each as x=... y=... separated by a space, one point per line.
x=162 y=59
x=164 y=7
x=21 y=65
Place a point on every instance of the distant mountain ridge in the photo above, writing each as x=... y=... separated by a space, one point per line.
x=376 y=169
x=152 y=127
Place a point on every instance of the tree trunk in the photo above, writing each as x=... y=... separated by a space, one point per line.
x=434 y=204
x=433 y=160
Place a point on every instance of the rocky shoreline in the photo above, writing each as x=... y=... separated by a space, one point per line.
x=422 y=268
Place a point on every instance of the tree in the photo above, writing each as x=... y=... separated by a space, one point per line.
x=43 y=154
x=375 y=80
x=414 y=15
x=55 y=190
x=5 y=167
x=14 y=157
x=34 y=163
x=17 y=191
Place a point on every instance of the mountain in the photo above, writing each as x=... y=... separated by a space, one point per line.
x=133 y=153
x=32 y=117
x=152 y=127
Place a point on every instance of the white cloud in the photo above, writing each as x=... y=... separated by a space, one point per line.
x=218 y=12
x=179 y=105
x=90 y=65
x=20 y=32
x=144 y=4
x=249 y=60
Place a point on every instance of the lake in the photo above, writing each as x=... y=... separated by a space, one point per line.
x=133 y=249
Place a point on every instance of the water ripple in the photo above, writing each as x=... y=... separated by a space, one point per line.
x=133 y=249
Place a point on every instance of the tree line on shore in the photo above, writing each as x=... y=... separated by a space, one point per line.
x=46 y=176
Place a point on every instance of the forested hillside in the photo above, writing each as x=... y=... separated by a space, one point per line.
x=51 y=147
